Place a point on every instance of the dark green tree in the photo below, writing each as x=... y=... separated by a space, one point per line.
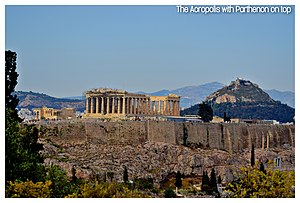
x=178 y=182
x=219 y=180
x=22 y=158
x=125 y=175
x=205 y=186
x=205 y=112
x=169 y=193
x=60 y=186
x=262 y=168
x=11 y=76
x=213 y=181
x=252 y=155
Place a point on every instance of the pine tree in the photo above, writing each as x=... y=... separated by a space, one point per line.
x=252 y=156
x=178 y=182
x=11 y=76
x=262 y=168
x=213 y=181
x=125 y=175
x=219 y=180
x=205 y=112
x=205 y=186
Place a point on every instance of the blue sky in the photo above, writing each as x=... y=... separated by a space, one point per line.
x=65 y=50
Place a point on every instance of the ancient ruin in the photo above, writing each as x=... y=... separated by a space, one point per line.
x=106 y=102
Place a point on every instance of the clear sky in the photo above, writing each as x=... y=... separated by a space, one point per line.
x=65 y=50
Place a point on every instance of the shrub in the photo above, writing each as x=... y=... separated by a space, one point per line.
x=28 y=189
x=255 y=183
x=169 y=193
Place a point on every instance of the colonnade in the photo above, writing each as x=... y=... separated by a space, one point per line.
x=110 y=104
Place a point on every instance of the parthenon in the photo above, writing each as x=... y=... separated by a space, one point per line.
x=107 y=102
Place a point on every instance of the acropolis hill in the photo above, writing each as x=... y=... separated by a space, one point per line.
x=95 y=146
x=157 y=149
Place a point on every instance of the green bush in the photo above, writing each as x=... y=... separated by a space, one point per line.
x=28 y=189
x=255 y=183
x=169 y=193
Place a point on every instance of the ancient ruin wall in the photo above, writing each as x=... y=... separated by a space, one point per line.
x=232 y=138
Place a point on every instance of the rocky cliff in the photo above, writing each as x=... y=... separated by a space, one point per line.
x=157 y=149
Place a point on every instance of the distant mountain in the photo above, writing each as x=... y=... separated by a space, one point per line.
x=285 y=97
x=190 y=95
x=36 y=100
x=239 y=91
x=244 y=99
x=75 y=98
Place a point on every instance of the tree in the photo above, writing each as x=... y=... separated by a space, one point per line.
x=169 y=193
x=178 y=182
x=219 y=180
x=11 y=76
x=205 y=186
x=205 y=112
x=252 y=155
x=254 y=183
x=22 y=158
x=125 y=175
x=262 y=167
x=28 y=189
x=213 y=181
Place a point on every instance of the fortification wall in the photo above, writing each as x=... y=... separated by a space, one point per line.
x=233 y=138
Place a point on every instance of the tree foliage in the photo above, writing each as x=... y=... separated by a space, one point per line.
x=252 y=155
x=11 y=76
x=213 y=181
x=205 y=112
x=125 y=175
x=255 y=183
x=178 y=182
x=28 y=189
x=169 y=193
x=205 y=186
x=249 y=110
x=22 y=158
x=61 y=186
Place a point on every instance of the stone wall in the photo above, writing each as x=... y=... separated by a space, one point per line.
x=156 y=149
x=232 y=138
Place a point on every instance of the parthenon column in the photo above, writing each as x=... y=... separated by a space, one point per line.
x=142 y=106
x=87 y=109
x=159 y=106
x=134 y=105
x=113 y=105
x=119 y=105
x=97 y=104
x=92 y=105
x=130 y=105
x=107 y=105
x=102 y=105
x=123 y=108
x=174 y=107
x=127 y=106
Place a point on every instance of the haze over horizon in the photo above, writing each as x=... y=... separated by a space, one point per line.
x=65 y=50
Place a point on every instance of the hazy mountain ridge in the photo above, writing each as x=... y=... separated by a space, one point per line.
x=244 y=99
x=36 y=100
x=190 y=95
